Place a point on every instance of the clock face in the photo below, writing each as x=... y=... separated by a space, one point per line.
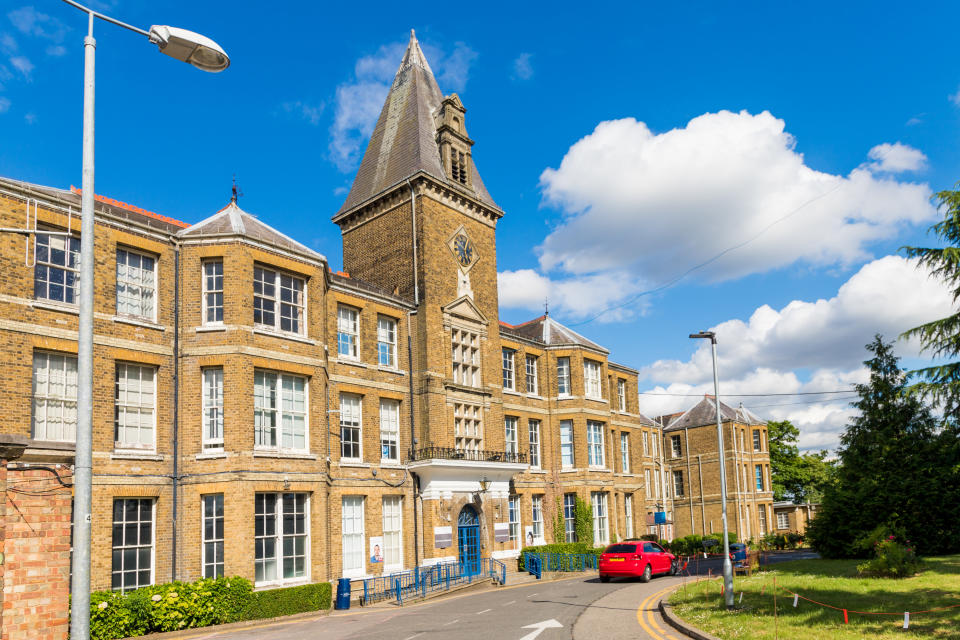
x=463 y=248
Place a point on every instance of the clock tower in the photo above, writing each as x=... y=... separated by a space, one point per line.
x=419 y=222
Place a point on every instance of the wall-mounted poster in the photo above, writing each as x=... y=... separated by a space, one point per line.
x=442 y=537
x=528 y=540
x=376 y=548
x=501 y=531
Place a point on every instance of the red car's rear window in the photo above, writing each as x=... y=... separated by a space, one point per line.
x=621 y=548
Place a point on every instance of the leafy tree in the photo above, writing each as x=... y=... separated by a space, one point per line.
x=895 y=470
x=796 y=477
x=941 y=338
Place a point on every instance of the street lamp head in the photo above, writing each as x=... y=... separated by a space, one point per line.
x=187 y=46
x=708 y=335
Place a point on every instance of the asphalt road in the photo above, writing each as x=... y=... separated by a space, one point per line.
x=578 y=608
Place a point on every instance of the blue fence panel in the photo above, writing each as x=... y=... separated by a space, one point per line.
x=537 y=563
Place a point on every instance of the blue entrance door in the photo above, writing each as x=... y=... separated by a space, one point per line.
x=468 y=540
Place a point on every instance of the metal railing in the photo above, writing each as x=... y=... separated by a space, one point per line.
x=451 y=453
x=537 y=563
x=424 y=580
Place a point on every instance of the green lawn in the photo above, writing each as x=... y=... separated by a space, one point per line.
x=832 y=582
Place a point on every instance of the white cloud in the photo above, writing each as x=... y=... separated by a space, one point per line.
x=31 y=22
x=826 y=338
x=955 y=98
x=359 y=100
x=8 y=44
x=659 y=203
x=576 y=297
x=4 y=104
x=30 y=118
x=896 y=158
x=310 y=113
x=522 y=67
x=23 y=65
x=56 y=50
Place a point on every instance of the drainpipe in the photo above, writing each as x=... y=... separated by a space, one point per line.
x=176 y=406
x=703 y=508
x=413 y=431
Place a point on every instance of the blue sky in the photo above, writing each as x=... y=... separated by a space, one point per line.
x=627 y=143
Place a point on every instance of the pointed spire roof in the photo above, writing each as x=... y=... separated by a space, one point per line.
x=234 y=221
x=550 y=332
x=404 y=140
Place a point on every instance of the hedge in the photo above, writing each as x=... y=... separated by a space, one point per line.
x=189 y=605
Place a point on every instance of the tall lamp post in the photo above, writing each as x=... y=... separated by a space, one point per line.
x=727 y=566
x=204 y=54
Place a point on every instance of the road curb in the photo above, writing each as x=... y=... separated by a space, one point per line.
x=666 y=610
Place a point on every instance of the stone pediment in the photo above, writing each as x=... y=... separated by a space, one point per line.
x=463 y=308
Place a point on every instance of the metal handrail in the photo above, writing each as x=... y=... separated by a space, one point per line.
x=452 y=453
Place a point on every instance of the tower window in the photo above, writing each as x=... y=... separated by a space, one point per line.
x=458 y=166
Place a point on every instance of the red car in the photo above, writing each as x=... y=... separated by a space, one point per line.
x=629 y=559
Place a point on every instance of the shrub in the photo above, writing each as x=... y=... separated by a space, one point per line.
x=892 y=559
x=562 y=547
x=583 y=521
x=273 y=603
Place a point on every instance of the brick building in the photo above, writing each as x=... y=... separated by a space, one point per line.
x=690 y=448
x=792 y=517
x=257 y=414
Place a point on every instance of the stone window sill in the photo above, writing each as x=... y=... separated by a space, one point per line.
x=535 y=396
x=210 y=328
x=383 y=465
x=570 y=470
x=211 y=455
x=536 y=470
x=511 y=392
x=391 y=370
x=273 y=584
x=355 y=463
x=283 y=336
x=293 y=455
x=55 y=306
x=601 y=469
x=138 y=322
x=136 y=455
x=350 y=362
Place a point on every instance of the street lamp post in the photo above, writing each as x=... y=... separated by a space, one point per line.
x=727 y=565
x=204 y=54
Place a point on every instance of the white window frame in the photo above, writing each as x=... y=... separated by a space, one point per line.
x=596 y=450
x=216 y=563
x=783 y=520
x=127 y=408
x=349 y=520
x=389 y=430
x=351 y=418
x=509 y=369
x=628 y=515
x=212 y=300
x=570 y=517
x=676 y=447
x=567 y=453
x=468 y=427
x=646 y=442
x=387 y=341
x=510 y=435
x=656 y=483
x=622 y=395
x=534 y=431
x=762 y=518
x=348 y=332
x=277 y=394
x=279 y=535
x=533 y=382
x=536 y=519
x=52 y=396
x=392 y=533
x=678 y=484
x=624 y=452
x=465 y=346
x=70 y=268
x=591 y=380
x=211 y=422
x=757 y=440
x=513 y=520
x=648 y=484
x=298 y=308
x=138 y=545
x=143 y=290
x=601 y=523
x=563 y=377
x=758 y=476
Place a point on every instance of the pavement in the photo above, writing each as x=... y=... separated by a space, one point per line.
x=575 y=608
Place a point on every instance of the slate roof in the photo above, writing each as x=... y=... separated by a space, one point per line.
x=705 y=413
x=550 y=332
x=234 y=221
x=71 y=198
x=404 y=140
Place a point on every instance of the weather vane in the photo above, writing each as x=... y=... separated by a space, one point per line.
x=237 y=192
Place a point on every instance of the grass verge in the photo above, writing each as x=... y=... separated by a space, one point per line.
x=832 y=582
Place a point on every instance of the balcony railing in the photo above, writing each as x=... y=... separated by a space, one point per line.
x=450 y=453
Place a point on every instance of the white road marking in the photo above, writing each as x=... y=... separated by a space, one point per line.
x=447 y=624
x=414 y=636
x=531 y=595
x=511 y=602
x=539 y=627
x=484 y=611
